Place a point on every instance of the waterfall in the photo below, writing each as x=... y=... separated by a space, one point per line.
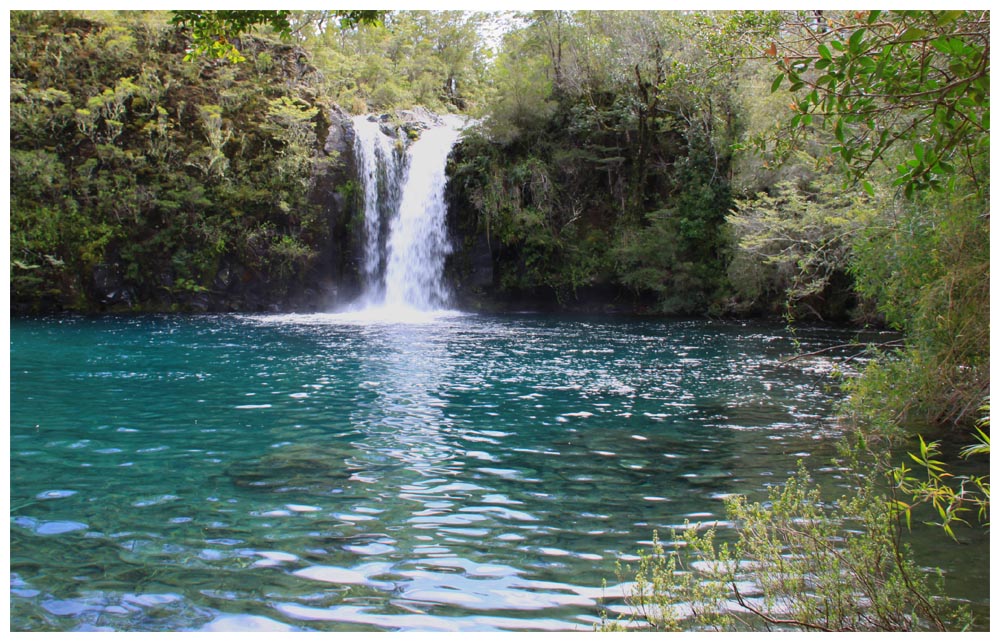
x=381 y=168
x=406 y=238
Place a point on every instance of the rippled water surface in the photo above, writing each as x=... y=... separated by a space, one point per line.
x=322 y=473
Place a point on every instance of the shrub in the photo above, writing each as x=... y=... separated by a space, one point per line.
x=800 y=562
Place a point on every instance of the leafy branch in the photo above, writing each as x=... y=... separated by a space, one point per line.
x=951 y=496
x=915 y=78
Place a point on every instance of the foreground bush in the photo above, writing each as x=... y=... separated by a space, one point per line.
x=799 y=563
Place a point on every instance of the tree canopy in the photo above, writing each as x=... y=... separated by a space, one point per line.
x=213 y=30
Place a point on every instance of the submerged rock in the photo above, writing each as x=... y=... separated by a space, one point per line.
x=247 y=623
x=294 y=468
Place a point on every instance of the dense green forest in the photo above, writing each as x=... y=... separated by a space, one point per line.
x=823 y=166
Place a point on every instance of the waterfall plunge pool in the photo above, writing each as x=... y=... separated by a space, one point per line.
x=324 y=472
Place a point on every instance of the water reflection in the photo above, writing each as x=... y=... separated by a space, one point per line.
x=401 y=413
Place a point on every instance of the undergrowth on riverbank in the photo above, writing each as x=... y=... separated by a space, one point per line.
x=800 y=562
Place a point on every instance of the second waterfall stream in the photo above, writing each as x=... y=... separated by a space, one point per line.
x=406 y=237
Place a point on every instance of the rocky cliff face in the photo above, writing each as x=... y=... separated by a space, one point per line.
x=470 y=269
x=333 y=277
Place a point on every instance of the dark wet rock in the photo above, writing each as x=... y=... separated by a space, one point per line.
x=340 y=135
x=108 y=285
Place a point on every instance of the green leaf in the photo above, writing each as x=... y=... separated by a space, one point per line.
x=943 y=44
x=943 y=167
x=777 y=82
x=854 y=43
x=824 y=52
x=913 y=34
x=948 y=16
x=869 y=189
x=903 y=508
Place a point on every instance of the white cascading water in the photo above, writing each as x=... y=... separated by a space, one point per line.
x=403 y=269
x=381 y=169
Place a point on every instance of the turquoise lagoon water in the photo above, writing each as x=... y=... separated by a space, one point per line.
x=322 y=472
